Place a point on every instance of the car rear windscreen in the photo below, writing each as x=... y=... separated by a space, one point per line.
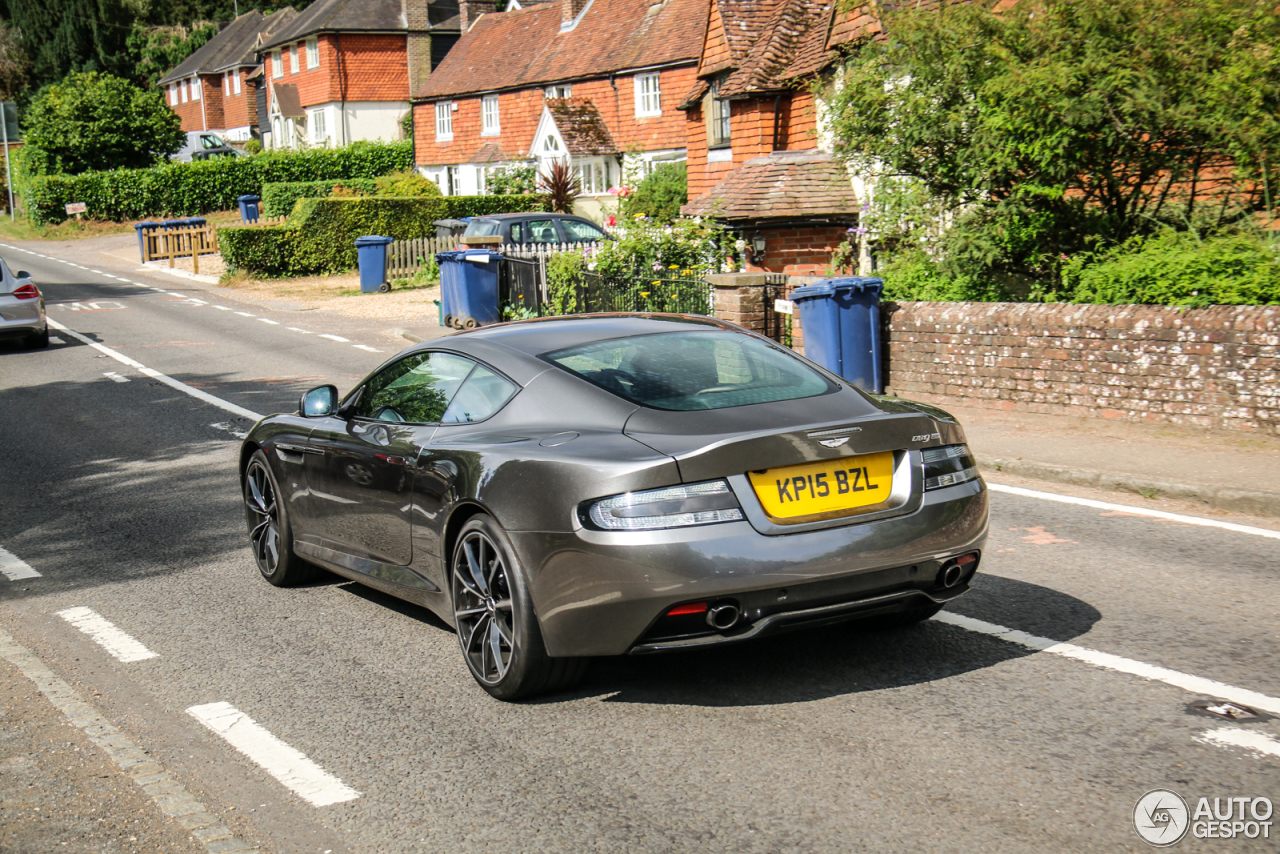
x=482 y=228
x=693 y=370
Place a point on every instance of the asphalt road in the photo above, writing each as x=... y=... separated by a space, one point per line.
x=123 y=496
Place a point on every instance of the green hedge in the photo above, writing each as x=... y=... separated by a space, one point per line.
x=321 y=233
x=279 y=197
x=186 y=189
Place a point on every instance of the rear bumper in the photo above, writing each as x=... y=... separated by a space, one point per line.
x=600 y=593
x=20 y=318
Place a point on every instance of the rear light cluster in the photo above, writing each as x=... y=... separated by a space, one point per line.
x=682 y=506
x=26 y=292
x=948 y=466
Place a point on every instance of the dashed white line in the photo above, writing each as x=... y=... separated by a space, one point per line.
x=1185 y=681
x=15 y=568
x=366 y=347
x=296 y=329
x=337 y=338
x=287 y=764
x=112 y=375
x=245 y=314
x=106 y=635
x=156 y=375
x=1248 y=739
x=222 y=307
x=173 y=294
x=1125 y=508
x=268 y=320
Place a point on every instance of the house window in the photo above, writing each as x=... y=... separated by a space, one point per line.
x=293 y=58
x=235 y=82
x=195 y=89
x=489 y=109
x=560 y=91
x=173 y=94
x=648 y=95
x=277 y=66
x=594 y=176
x=313 y=52
x=718 y=118
x=444 y=121
x=551 y=145
x=226 y=84
x=182 y=90
x=317 y=122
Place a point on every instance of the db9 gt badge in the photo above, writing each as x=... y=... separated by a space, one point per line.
x=833 y=443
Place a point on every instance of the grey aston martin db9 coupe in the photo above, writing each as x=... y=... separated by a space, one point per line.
x=605 y=484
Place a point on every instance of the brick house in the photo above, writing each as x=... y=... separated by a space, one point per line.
x=213 y=89
x=758 y=160
x=343 y=72
x=594 y=82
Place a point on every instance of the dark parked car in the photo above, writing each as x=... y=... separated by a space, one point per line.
x=607 y=484
x=526 y=228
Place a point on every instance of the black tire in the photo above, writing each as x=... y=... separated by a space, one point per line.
x=37 y=340
x=447 y=322
x=498 y=630
x=270 y=535
x=470 y=323
x=384 y=288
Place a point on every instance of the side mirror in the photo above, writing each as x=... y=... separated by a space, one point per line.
x=318 y=402
x=23 y=274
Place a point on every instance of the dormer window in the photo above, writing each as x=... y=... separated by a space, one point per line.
x=551 y=145
x=562 y=90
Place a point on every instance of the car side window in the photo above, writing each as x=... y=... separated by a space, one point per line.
x=483 y=394
x=543 y=231
x=581 y=232
x=416 y=390
x=517 y=233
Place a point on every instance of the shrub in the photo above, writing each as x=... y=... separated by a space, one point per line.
x=279 y=197
x=562 y=186
x=660 y=195
x=407 y=184
x=512 y=180
x=253 y=146
x=266 y=250
x=187 y=189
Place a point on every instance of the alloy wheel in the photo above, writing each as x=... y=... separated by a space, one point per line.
x=482 y=607
x=263 y=515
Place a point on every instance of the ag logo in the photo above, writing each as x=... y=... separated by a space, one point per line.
x=1161 y=818
x=833 y=443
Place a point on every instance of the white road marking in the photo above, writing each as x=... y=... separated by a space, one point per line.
x=195 y=301
x=156 y=375
x=230 y=428
x=296 y=329
x=112 y=375
x=366 y=347
x=245 y=314
x=179 y=296
x=288 y=765
x=15 y=568
x=268 y=320
x=1142 y=511
x=1246 y=738
x=106 y=635
x=337 y=338
x=222 y=308
x=54 y=339
x=1185 y=681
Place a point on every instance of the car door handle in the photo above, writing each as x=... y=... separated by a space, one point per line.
x=392 y=459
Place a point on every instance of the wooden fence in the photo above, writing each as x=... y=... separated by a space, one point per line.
x=405 y=257
x=181 y=242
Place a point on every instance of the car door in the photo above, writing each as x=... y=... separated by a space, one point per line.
x=576 y=231
x=362 y=461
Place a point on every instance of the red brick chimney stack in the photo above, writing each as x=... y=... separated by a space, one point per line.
x=469 y=10
x=570 y=9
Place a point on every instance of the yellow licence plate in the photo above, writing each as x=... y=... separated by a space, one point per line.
x=825 y=490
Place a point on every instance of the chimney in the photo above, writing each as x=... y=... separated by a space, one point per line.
x=418 y=43
x=569 y=11
x=469 y=10
x=416 y=15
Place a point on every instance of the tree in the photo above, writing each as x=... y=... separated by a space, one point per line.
x=661 y=194
x=1055 y=126
x=96 y=121
x=160 y=49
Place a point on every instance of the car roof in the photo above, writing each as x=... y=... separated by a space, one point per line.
x=539 y=214
x=540 y=335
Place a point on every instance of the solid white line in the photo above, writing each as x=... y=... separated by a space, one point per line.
x=366 y=347
x=1126 y=508
x=1248 y=739
x=288 y=765
x=15 y=568
x=268 y=320
x=337 y=338
x=1185 y=681
x=156 y=375
x=106 y=635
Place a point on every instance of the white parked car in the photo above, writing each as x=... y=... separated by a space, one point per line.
x=203 y=144
x=22 y=309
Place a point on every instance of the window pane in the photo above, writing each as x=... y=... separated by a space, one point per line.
x=483 y=394
x=482 y=228
x=416 y=389
x=543 y=231
x=581 y=232
x=517 y=233
x=693 y=370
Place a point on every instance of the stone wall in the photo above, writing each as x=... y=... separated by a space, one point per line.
x=1215 y=368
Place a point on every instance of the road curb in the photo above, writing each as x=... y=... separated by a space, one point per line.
x=1223 y=498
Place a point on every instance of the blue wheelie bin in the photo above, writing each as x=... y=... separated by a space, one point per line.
x=371 y=252
x=841 y=323
x=469 y=287
x=248 y=208
x=141 y=228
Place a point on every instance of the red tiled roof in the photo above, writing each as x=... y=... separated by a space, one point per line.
x=491 y=152
x=523 y=48
x=782 y=185
x=581 y=126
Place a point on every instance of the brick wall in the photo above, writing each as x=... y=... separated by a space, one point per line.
x=751 y=132
x=1214 y=368
x=520 y=111
x=353 y=67
x=798 y=250
x=238 y=110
